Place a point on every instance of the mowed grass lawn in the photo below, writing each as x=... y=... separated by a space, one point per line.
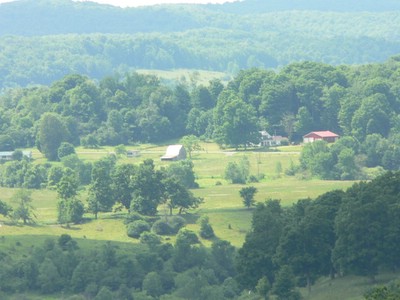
x=222 y=202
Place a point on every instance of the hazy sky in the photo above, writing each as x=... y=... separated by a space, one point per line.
x=125 y=3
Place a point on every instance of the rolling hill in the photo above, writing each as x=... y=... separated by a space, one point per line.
x=41 y=41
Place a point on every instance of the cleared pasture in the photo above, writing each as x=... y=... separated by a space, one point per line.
x=222 y=203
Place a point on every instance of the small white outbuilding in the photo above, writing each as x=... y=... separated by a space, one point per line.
x=174 y=152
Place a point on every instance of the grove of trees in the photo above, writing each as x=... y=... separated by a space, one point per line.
x=149 y=270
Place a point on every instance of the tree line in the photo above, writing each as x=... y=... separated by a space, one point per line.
x=137 y=188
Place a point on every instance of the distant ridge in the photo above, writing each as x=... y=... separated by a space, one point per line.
x=49 y=17
x=263 y=6
x=43 y=40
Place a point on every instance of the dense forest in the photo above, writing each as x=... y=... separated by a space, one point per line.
x=102 y=40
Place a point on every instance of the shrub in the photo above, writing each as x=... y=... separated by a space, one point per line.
x=186 y=236
x=285 y=142
x=133 y=216
x=253 y=179
x=292 y=169
x=176 y=223
x=238 y=172
x=120 y=150
x=136 y=228
x=150 y=239
x=206 y=231
x=17 y=155
x=65 y=149
x=161 y=227
x=66 y=242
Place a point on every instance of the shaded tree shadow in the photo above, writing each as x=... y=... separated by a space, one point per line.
x=69 y=227
x=190 y=218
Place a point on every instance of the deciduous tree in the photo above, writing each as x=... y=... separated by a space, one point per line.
x=23 y=210
x=191 y=143
x=4 y=208
x=256 y=257
x=101 y=197
x=247 y=194
x=148 y=189
x=52 y=132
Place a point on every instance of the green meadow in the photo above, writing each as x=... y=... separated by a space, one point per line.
x=222 y=203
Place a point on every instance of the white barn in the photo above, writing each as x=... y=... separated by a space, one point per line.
x=174 y=152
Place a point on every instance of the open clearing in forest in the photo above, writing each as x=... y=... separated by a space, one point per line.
x=222 y=202
x=186 y=76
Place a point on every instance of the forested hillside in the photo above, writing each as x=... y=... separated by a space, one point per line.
x=362 y=104
x=350 y=232
x=42 y=41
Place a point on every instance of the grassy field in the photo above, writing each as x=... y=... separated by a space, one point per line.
x=222 y=203
x=345 y=288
